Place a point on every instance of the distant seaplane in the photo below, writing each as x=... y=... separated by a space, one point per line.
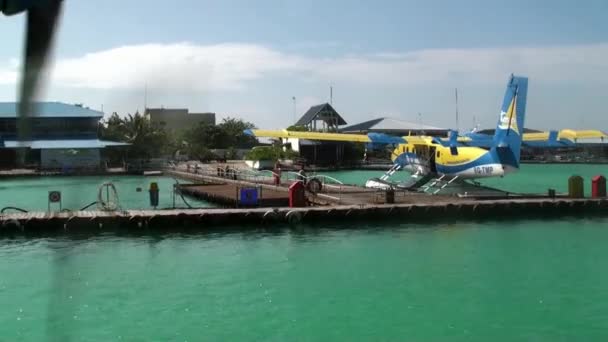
x=430 y=157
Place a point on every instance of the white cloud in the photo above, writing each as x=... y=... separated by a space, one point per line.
x=176 y=66
x=184 y=67
x=588 y=63
x=8 y=76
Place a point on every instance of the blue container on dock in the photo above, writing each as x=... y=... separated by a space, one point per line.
x=248 y=197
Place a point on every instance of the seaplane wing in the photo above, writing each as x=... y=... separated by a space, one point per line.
x=376 y=138
x=563 y=138
x=536 y=139
x=582 y=135
x=545 y=139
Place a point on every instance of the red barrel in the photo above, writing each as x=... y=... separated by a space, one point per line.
x=598 y=186
x=297 y=195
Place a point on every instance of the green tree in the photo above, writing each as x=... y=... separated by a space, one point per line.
x=229 y=134
x=206 y=135
x=234 y=131
x=147 y=140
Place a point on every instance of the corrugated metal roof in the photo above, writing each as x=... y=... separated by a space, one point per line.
x=389 y=124
x=57 y=144
x=50 y=110
x=312 y=113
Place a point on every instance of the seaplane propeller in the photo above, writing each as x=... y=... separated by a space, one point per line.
x=41 y=25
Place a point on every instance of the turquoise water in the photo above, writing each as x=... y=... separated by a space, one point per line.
x=514 y=281
x=32 y=193
x=531 y=178
x=499 y=281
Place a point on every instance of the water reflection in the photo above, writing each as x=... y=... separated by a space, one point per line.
x=64 y=288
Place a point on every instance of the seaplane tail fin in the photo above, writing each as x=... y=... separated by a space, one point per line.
x=510 y=129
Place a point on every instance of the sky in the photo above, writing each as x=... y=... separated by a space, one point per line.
x=395 y=58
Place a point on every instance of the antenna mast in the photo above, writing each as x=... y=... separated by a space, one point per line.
x=456 y=94
x=146 y=98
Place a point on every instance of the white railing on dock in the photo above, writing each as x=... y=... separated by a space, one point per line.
x=266 y=177
x=327 y=182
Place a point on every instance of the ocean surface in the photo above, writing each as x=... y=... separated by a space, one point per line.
x=509 y=281
x=32 y=193
x=538 y=280
x=531 y=178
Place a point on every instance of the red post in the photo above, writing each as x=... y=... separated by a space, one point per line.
x=297 y=195
x=598 y=186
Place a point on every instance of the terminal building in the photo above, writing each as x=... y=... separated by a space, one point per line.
x=587 y=145
x=61 y=136
x=323 y=118
x=178 y=118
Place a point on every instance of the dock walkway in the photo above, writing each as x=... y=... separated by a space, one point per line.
x=331 y=194
x=228 y=194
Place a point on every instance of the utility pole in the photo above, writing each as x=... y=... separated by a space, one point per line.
x=331 y=95
x=294 y=109
x=474 y=124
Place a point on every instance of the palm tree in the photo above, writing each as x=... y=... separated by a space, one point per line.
x=146 y=139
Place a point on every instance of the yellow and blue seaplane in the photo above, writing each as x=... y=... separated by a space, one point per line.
x=435 y=160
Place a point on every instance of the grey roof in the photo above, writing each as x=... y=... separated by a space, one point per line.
x=62 y=144
x=50 y=110
x=389 y=124
x=314 y=111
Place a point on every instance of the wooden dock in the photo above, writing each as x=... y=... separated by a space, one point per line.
x=200 y=220
x=228 y=194
x=344 y=205
x=330 y=195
